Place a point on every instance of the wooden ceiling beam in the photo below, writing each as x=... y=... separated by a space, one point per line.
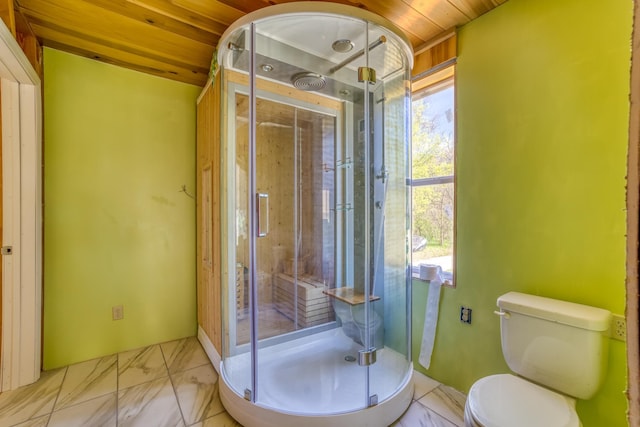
x=472 y=9
x=247 y=6
x=86 y=20
x=174 y=21
x=88 y=49
x=210 y=24
x=475 y=8
x=211 y=9
x=56 y=33
x=440 y=12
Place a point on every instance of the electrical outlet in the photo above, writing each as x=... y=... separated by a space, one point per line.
x=465 y=314
x=117 y=312
x=618 y=327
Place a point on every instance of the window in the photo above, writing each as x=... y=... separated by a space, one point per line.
x=433 y=154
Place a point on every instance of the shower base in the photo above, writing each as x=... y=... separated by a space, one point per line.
x=312 y=381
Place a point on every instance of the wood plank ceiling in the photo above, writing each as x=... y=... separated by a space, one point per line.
x=176 y=38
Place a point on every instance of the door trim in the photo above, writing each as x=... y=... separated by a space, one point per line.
x=22 y=216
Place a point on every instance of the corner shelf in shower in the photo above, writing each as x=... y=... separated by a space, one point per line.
x=349 y=295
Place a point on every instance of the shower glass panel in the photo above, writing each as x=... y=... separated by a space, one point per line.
x=390 y=200
x=295 y=264
x=315 y=165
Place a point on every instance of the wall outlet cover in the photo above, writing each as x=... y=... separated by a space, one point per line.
x=618 y=327
x=465 y=314
x=117 y=312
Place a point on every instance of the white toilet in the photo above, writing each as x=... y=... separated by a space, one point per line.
x=559 y=351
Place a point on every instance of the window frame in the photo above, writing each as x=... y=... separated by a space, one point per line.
x=422 y=86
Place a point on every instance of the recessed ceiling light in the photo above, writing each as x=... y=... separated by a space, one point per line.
x=267 y=68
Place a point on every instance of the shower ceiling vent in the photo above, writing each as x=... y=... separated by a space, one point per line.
x=308 y=81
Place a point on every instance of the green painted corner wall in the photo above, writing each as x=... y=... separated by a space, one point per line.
x=542 y=134
x=118 y=147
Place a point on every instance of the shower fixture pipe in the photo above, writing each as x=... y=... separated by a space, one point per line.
x=384 y=176
x=380 y=40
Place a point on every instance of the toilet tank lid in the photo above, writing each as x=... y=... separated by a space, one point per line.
x=568 y=313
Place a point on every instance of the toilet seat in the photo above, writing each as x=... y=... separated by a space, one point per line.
x=506 y=400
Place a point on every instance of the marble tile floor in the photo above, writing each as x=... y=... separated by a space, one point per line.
x=168 y=384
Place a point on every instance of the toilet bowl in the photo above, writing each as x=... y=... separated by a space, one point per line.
x=558 y=350
x=506 y=400
x=354 y=326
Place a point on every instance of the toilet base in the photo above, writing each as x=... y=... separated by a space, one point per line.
x=468 y=418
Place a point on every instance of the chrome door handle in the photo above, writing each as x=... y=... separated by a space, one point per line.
x=262 y=210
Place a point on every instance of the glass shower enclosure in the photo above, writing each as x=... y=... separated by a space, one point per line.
x=315 y=216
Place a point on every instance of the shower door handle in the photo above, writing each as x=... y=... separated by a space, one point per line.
x=262 y=212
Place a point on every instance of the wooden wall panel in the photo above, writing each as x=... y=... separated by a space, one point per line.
x=7 y=15
x=216 y=318
x=208 y=224
x=1 y=231
x=435 y=55
x=28 y=42
x=202 y=130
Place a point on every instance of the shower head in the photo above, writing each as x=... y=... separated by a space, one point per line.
x=308 y=81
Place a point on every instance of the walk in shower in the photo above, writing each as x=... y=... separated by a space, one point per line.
x=315 y=199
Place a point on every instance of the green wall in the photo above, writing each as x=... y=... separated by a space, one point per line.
x=118 y=147
x=542 y=122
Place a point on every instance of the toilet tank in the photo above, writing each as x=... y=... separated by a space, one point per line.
x=558 y=344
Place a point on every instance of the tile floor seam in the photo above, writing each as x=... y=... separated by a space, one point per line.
x=117 y=388
x=84 y=401
x=93 y=370
x=207 y=405
x=430 y=409
x=208 y=418
x=416 y=398
x=164 y=358
x=141 y=383
x=175 y=394
x=193 y=367
x=455 y=422
x=55 y=402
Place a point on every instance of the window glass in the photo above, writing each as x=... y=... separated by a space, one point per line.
x=433 y=155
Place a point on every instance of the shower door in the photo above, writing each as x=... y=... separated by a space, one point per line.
x=294 y=196
x=293 y=255
x=312 y=217
x=294 y=193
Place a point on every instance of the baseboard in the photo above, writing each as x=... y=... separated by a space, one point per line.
x=211 y=351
